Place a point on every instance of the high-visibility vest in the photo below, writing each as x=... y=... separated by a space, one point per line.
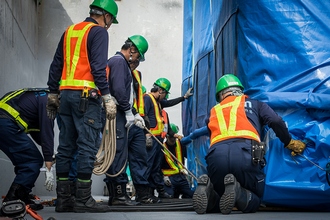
x=138 y=103
x=8 y=103
x=228 y=120
x=158 y=129
x=174 y=167
x=76 y=73
x=165 y=122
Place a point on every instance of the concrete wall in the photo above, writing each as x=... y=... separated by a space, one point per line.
x=29 y=34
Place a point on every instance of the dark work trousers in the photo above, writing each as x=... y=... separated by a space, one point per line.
x=137 y=155
x=79 y=132
x=121 y=152
x=22 y=152
x=155 y=158
x=234 y=156
x=179 y=185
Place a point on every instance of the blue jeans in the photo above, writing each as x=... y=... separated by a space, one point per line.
x=79 y=132
x=22 y=152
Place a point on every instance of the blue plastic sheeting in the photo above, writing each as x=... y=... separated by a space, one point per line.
x=280 y=49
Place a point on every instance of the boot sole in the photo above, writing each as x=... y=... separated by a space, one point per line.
x=227 y=200
x=200 y=197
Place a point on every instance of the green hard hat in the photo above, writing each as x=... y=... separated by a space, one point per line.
x=144 y=90
x=174 y=128
x=164 y=84
x=141 y=44
x=109 y=6
x=226 y=81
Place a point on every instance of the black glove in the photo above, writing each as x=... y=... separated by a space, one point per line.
x=148 y=141
x=53 y=103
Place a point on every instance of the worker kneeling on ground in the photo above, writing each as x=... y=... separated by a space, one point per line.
x=235 y=178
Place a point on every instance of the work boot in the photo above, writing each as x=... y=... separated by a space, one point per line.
x=65 y=198
x=85 y=202
x=121 y=197
x=234 y=195
x=162 y=193
x=204 y=197
x=18 y=192
x=143 y=195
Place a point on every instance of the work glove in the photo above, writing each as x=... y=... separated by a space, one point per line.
x=110 y=106
x=130 y=119
x=296 y=146
x=184 y=172
x=53 y=103
x=49 y=183
x=188 y=93
x=138 y=121
x=167 y=181
x=148 y=141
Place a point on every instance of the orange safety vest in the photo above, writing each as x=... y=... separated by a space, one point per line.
x=228 y=120
x=159 y=128
x=138 y=101
x=76 y=73
x=174 y=167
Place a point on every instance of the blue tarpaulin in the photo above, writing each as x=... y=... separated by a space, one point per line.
x=280 y=50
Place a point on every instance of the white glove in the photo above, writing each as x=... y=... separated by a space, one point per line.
x=49 y=183
x=188 y=93
x=184 y=172
x=167 y=181
x=139 y=121
x=129 y=118
x=110 y=106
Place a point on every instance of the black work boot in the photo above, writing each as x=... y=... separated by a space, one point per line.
x=65 y=198
x=17 y=191
x=84 y=201
x=162 y=193
x=143 y=195
x=234 y=195
x=111 y=191
x=204 y=197
x=121 y=197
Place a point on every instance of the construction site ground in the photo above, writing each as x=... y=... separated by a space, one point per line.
x=179 y=209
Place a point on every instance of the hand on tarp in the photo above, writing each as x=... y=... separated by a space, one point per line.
x=49 y=183
x=296 y=146
x=53 y=103
x=188 y=93
x=167 y=181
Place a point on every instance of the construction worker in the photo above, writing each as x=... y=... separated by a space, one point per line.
x=23 y=112
x=78 y=74
x=234 y=160
x=128 y=120
x=175 y=180
x=159 y=127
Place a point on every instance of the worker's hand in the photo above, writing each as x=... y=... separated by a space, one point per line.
x=148 y=141
x=53 y=103
x=184 y=172
x=129 y=118
x=49 y=183
x=188 y=93
x=178 y=136
x=110 y=106
x=167 y=181
x=296 y=146
x=138 y=121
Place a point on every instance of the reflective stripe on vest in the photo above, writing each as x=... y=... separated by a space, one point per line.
x=76 y=73
x=138 y=101
x=159 y=119
x=13 y=112
x=174 y=167
x=228 y=120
